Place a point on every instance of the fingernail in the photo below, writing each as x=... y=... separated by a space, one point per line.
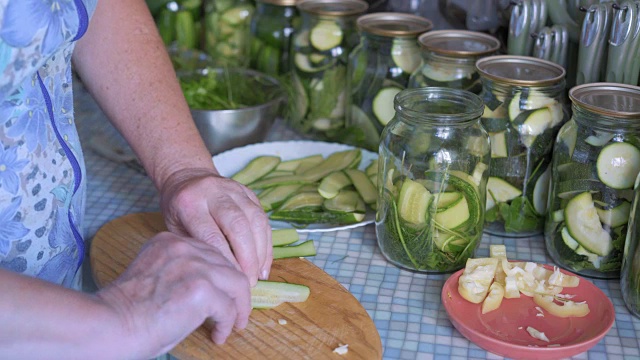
x=264 y=275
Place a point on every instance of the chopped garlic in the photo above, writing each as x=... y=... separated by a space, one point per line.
x=530 y=266
x=565 y=296
x=282 y=322
x=537 y=334
x=342 y=349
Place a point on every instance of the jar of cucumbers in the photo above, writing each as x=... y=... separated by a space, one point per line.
x=596 y=161
x=178 y=22
x=630 y=272
x=433 y=168
x=227 y=31
x=379 y=68
x=449 y=59
x=524 y=109
x=321 y=45
x=272 y=27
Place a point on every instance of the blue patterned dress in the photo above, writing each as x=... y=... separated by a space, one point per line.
x=42 y=174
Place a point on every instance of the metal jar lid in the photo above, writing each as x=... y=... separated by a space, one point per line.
x=279 y=2
x=460 y=43
x=520 y=70
x=394 y=24
x=336 y=8
x=609 y=99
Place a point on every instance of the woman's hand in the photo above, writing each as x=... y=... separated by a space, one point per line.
x=171 y=288
x=224 y=214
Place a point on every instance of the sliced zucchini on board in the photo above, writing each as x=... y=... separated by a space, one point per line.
x=616 y=216
x=301 y=250
x=584 y=225
x=256 y=169
x=269 y=294
x=326 y=35
x=500 y=191
x=283 y=237
x=541 y=192
x=498 y=144
x=383 y=104
x=413 y=202
x=618 y=165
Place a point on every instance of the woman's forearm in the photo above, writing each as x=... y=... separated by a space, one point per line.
x=40 y=319
x=123 y=63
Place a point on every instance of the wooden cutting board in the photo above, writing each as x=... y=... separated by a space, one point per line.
x=330 y=317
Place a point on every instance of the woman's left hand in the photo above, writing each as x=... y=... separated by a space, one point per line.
x=223 y=213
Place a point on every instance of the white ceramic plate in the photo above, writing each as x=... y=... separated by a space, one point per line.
x=231 y=161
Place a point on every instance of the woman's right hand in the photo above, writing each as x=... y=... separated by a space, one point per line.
x=171 y=288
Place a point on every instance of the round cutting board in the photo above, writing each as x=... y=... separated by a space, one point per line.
x=330 y=317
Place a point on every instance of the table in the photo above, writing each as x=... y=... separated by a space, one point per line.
x=405 y=306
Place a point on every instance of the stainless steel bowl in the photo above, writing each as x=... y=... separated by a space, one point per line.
x=225 y=129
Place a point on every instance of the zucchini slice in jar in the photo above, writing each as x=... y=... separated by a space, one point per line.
x=498 y=144
x=326 y=35
x=541 y=192
x=618 y=165
x=413 y=202
x=584 y=225
x=616 y=216
x=406 y=54
x=500 y=191
x=383 y=105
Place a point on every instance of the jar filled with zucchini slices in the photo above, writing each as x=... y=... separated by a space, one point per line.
x=524 y=109
x=630 y=272
x=321 y=47
x=227 y=31
x=379 y=68
x=596 y=161
x=433 y=168
x=449 y=59
x=272 y=27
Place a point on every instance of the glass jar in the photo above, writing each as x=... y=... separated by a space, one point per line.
x=272 y=28
x=433 y=167
x=321 y=46
x=449 y=59
x=596 y=160
x=524 y=109
x=227 y=31
x=379 y=68
x=178 y=23
x=630 y=272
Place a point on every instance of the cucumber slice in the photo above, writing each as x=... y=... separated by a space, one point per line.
x=346 y=201
x=275 y=196
x=372 y=168
x=363 y=185
x=383 y=104
x=308 y=163
x=283 y=237
x=294 y=164
x=478 y=172
x=305 y=249
x=498 y=144
x=616 y=216
x=455 y=215
x=465 y=184
x=269 y=294
x=514 y=106
x=584 y=225
x=305 y=217
x=413 y=202
x=557 y=216
x=541 y=192
x=500 y=191
x=406 y=54
x=618 y=165
x=326 y=35
x=334 y=162
x=331 y=184
x=536 y=123
x=304 y=200
x=256 y=169
x=446 y=74
x=599 y=139
x=593 y=258
x=445 y=200
x=303 y=62
x=536 y=100
x=568 y=240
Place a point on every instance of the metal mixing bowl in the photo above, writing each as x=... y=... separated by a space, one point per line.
x=225 y=129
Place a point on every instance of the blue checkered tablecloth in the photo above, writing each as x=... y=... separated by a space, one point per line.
x=405 y=306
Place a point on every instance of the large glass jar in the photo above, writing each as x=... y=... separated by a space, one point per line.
x=227 y=31
x=272 y=27
x=321 y=46
x=449 y=59
x=433 y=167
x=596 y=160
x=630 y=272
x=379 y=68
x=524 y=109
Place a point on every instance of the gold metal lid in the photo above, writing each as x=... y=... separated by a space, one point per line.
x=520 y=70
x=394 y=24
x=279 y=2
x=333 y=7
x=459 y=43
x=609 y=99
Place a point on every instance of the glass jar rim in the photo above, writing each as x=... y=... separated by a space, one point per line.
x=279 y=2
x=608 y=99
x=337 y=8
x=391 y=24
x=434 y=40
x=471 y=105
x=496 y=68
